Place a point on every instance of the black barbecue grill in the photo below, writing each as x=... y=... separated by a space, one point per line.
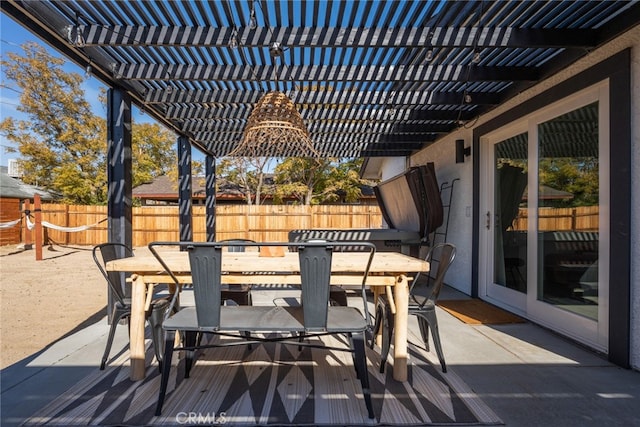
x=411 y=207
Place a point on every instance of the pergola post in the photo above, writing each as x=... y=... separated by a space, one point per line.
x=185 y=189
x=119 y=203
x=210 y=197
x=119 y=196
x=28 y=240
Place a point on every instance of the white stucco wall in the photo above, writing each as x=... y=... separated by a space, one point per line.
x=442 y=154
x=393 y=166
x=460 y=229
x=446 y=171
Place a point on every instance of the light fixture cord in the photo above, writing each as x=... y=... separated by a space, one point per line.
x=266 y=20
x=470 y=64
x=275 y=72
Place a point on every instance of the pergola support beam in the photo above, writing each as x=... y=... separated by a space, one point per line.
x=185 y=189
x=210 y=197
x=119 y=206
x=449 y=37
x=119 y=178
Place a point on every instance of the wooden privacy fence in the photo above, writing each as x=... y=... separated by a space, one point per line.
x=260 y=223
x=583 y=218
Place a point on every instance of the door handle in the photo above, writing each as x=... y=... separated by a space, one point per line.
x=488 y=224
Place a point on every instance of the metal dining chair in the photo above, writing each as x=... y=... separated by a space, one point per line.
x=240 y=294
x=104 y=253
x=424 y=308
x=337 y=294
x=266 y=323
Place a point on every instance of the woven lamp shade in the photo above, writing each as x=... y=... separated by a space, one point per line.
x=275 y=129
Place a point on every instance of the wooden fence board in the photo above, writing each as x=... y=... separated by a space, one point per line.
x=10 y=211
x=259 y=223
x=584 y=218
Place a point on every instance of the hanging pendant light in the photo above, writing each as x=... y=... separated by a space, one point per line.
x=275 y=127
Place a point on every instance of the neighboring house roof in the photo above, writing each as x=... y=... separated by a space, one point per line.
x=549 y=193
x=163 y=188
x=12 y=188
x=160 y=186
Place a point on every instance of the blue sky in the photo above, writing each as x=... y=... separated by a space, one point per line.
x=12 y=36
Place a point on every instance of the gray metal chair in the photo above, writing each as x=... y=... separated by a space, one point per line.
x=424 y=308
x=315 y=317
x=337 y=294
x=104 y=253
x=240 y=294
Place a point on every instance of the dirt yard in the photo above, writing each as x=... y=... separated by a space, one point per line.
x=42 y=301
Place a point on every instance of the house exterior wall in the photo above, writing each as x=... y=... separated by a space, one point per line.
x=442 y=153
x=635 y=203
x=460 y=227
x=393 y=166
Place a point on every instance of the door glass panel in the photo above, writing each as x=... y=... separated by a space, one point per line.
x=510 y=238
x=568 y=209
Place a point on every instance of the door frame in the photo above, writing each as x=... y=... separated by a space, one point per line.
x=617 y=69
x=592 y=332
x=502 y=296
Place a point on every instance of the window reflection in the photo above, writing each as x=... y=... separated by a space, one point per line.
x=568 y=209
x=510 y=265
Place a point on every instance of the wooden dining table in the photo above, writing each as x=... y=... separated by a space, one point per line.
x=388 y=274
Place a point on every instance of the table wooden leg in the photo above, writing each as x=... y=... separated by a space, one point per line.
x=376 y=293
x=401 y=295
x=136 y=325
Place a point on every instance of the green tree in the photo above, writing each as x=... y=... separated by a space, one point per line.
x=578 y=176
x=248 y=174
x=313 y=181
x=153 y=152
x=63 y=145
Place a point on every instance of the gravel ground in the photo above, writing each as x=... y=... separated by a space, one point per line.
x=42 y=301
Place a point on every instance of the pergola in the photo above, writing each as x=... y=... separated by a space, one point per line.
x=370 y=78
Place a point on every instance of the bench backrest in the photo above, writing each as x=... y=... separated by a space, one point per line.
x=315 y=260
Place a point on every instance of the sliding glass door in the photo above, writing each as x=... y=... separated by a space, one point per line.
x=542 y=236
x=568 y=211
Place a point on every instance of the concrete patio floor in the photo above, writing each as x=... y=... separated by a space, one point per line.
x=527 y=375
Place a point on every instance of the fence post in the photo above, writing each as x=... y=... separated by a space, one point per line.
x=37 y=208
x=66 y=224
x=28 y=244
x=312 y=219
x=247 y=218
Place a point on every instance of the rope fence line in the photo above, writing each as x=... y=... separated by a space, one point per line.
x=10 y=224
x=38 y=225
x=31 y=226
